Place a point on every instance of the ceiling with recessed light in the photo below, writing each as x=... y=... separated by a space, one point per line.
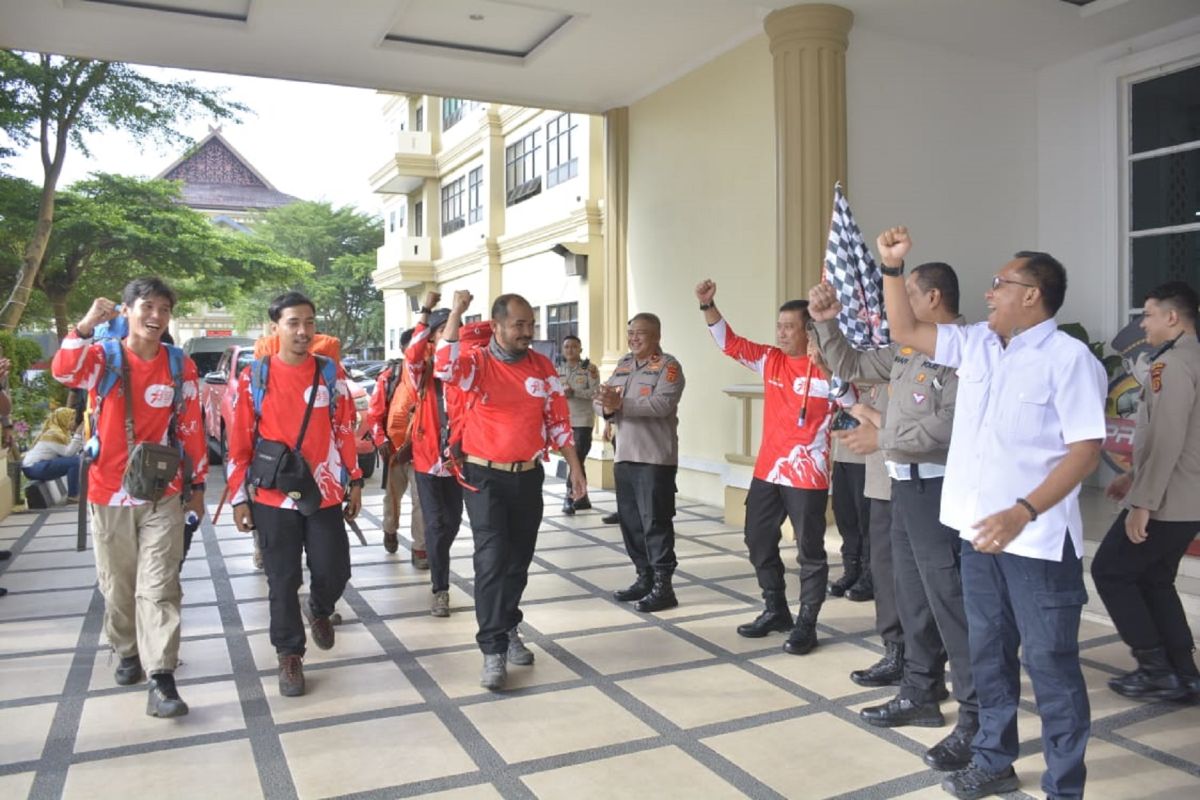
x=585 y=55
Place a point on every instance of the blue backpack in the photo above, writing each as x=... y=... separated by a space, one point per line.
x=114 y=355
x=261 y=368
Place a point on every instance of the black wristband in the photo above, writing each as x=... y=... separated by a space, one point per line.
x=706 y=306
x=1033 y=514
x=892 y=272
x=359 y=482
x=424 y=310
x=199 y=487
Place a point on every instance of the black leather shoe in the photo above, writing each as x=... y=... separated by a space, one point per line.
x=164 y=701
x=1154 y=679
x=776 y=617
x=863 y=589
x=661 y=596
x=852 y=569
x=900 y=711
x=974 y=782
x=582 y=504
x=129 y=671
x=954 y=752
x=804 y=635
x=610 y=519
x=887 y=671
x=568 y=507
x=637 y=590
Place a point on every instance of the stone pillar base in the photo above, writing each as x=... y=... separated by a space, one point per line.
x=600 y=473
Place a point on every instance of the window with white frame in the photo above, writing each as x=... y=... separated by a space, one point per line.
x=561 y=163
x=1162 y=178
x=452 y=206
x=392 y=222
x=419 y=124
x=521 y=180
x=475 y=196
x=418 y=219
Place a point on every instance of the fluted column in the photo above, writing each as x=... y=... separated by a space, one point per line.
x=616 y=229
x=808 y=44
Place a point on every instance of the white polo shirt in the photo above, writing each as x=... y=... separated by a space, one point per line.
x=1018 y=408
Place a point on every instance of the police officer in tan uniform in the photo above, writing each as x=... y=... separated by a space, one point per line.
x=580 y=380
x=1135 y=567
x=642 y=397
x=914 y=438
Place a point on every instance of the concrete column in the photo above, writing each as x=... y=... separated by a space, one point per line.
x=615 y=308
x=495 y=210
x=808 y=44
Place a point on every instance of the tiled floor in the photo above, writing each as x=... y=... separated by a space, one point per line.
x=617 y=705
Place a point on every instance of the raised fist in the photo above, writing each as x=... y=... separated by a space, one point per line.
x=893 y=245
x=462 y=300
x=706 y=290
x=823 y=303
x=431 y=300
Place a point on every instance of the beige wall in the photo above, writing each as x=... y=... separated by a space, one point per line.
x=702 y=204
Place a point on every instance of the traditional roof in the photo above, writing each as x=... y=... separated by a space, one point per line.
x=216 y=176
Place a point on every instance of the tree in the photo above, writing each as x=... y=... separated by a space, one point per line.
x=56 y=101
x=340 y=244
x=111 y=229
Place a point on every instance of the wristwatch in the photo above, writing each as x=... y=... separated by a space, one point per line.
x=359 y=482
x=425 y=310
x=199 y=487
x=706 y=306
x=892 y=272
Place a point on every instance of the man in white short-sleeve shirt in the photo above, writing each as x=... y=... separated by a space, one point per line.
x=1028 y=427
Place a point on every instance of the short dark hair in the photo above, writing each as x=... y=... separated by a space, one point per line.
x=288 y=300
x=797 y=305
x=1179 y=296
x=1049 y=274
x=406 y=338
x=941 y=276
x=574 y=337
x=500 y=307
x=146 y=287
x=646 y=316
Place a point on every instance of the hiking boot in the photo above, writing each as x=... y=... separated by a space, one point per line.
x=637 y=590
x=129 y=671
x=900 y=711
x=322 y=632
x=852 y=569
x=439 y=604
x=804 y=635
x=495 y=671
x=518 y=653
x=661 y=596
x=420 y=559
x=887 y=671
x=975 y=782
x=391 y=542
x=1152 y=680
x=954 y=752
x=291 y=675
x=582 y=504
x=776 y=617
x=164 y=701
x=610 y=519
x=863 y=589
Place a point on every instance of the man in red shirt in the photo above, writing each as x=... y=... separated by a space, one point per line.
x=514 y=411
x=328 y=448
x=791 y=474
x=438 y=487
x=139 y=544
x=399 y=476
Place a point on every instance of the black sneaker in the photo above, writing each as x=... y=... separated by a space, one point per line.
x=164 y=701
x=129 y=671
x=954 y=752
x=975 y=782
x=900 y=711
x=610 y=519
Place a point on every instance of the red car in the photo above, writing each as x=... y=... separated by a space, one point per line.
x=215 y=402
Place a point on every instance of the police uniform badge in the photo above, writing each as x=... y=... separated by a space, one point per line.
x=1156 y=371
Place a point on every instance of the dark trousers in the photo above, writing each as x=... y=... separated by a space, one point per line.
x=852 y=510
x=646 y=508
x=1137 y=584
x=1031 y=604
x=442 y=506
x=767 y=505
x=887 y=617
x=505 y=515
x=929 y=594
x=283 y=535
x=583 y=442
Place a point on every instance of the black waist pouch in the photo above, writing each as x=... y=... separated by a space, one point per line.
x=277 y=466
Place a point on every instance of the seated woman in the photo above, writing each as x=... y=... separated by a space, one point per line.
x=55 y=452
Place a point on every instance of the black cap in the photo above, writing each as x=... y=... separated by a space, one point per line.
x=438 y=318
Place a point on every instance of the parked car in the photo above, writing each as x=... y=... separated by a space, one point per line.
x=217 y=408
x=206 y=351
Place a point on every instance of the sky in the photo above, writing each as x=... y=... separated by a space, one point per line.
x=313 y=141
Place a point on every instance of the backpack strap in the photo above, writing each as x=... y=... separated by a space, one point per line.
x=329 y=369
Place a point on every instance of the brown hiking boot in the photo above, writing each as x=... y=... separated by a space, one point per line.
x=322 y=632
x=291 y=675
x=391 y=542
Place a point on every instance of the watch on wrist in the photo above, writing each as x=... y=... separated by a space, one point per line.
x=357 y=482
x=199 y=487
x=706 y=306
x=425 y=310
x=892 y=272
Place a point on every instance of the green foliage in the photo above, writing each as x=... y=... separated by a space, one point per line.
x=1111 y=362
x=22 y=352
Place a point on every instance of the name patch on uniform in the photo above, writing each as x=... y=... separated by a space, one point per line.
x=918 y=397
x=1156 y=372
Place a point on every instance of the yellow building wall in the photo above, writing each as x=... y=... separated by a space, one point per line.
x=702 y=205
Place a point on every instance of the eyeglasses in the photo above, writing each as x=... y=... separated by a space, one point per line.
x=997 y=280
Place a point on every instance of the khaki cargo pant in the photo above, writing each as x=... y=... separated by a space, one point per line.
x=138 y=550
x=399 y=481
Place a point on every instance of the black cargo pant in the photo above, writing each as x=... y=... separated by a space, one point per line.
x=767 y=505
x=887 y=617
x=284 y=534
x=852 y=510
x=646 y=510
x=442 y=508
x=505 y=514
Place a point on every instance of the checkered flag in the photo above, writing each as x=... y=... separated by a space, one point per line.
x=856 y=278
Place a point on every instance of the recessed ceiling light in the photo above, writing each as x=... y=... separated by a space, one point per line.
x=476 y=17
